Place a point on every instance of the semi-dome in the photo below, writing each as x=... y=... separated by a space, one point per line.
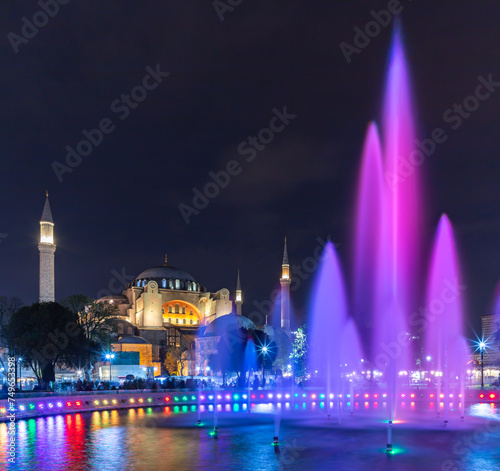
x=169 y=277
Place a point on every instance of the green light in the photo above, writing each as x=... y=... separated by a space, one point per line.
x=149 y=399
x=176 y=399
x=193 y=398
x=184 y=398
x=176 y=409
x=32 y=406
x=236 y=397
x=296 y=395
x=395 y=451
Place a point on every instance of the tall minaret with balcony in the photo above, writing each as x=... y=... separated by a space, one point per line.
x=47 y=249
x=239 y=297
x=285 y=292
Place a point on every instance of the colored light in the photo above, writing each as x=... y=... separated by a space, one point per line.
x=149 y=399
x=78 y=403
x=441 y=396
x=270 y=396
x=384 y=395
x=296 y=395
x=105 y=402
x=32 y=406
x=141 y=400
x=492 y=396
x=210 y=397
x=253 y=396
x=22 y=407
x=59 y=404
x=403 y=395
x=322 y=396
x=287 y=395
x=193 y=398
x=202 y=398
x=96 y=403
x=219 y=396
x=176 y=399
x=228 y=397
x=367 y=395
x=132 y=399
x=51 y=405
x=431 y=395
x=412 y=395
x=451 y=395
x=40 y=406
x=375 y=395
x=313 y=396
x=244 y=396
x=184 y=398
x=68 y=404
x=167 y=398
x=481 y=395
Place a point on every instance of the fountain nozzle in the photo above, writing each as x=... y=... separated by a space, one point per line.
x=275 y=441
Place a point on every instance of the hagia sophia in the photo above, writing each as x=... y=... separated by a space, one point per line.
x=164 y=306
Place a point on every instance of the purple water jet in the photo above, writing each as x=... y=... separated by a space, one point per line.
x=445 y=342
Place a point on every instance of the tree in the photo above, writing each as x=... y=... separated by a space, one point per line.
x=97 y=323
x=44 y=334
x=176 y=353
x=298 y=355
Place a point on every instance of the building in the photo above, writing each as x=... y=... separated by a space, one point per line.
x=47 y=248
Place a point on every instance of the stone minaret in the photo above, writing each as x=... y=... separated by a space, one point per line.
x=47 y=249
x=285 y=292
x=239 y=297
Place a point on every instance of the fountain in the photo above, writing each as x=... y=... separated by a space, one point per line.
x=445 y=342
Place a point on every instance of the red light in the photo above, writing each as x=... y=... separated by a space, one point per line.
x=68 y=404
x=481 y=395
x=253 y=396
x=403 y=395
x=262 y=396
x=78 y=403
x=367 y=395
x=356 y=395
x=412 y=395
x=167 y=398
x=431 y=395
x=375 y=395
x=492 y=396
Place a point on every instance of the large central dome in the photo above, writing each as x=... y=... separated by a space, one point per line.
x=168 y=276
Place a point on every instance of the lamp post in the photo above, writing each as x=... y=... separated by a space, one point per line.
x=109 y=357
x=264 y=352
x=20 y=373
x=482 y=347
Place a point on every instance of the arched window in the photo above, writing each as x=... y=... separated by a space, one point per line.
x=176 y=321
x=170 y=284
x=184 y=310
x=143 y=283
x=164 y=283
x=130 y=330
x=169 y=320
x=120 y=328
x=138 y=283
x=183 y=321
x=190 y=313
x=177 y=309
x=177 y=284
x=170 y=309
x=191 y=321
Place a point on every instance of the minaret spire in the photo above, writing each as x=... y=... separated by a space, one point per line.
x=239 y=297
x=285 y=292
x=47 y=248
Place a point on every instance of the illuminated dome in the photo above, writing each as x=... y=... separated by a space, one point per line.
x=168 y=277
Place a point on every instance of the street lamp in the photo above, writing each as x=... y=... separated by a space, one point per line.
x=482 y=347
x=109 y=357
x=20 y=373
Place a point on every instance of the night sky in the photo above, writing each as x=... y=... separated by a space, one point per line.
x=118 y=210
